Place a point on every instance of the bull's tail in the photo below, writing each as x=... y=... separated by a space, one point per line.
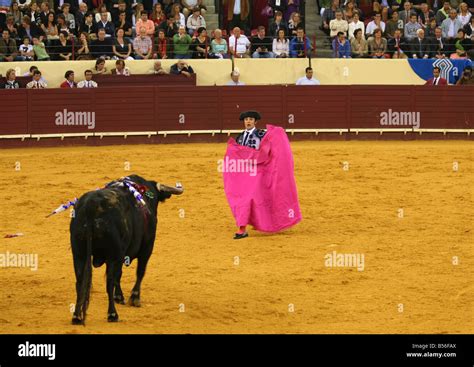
x=86 y=284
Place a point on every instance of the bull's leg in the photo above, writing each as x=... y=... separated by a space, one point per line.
x=118 y=294
x=112 y=315
x=78 y=266
x=141 y=267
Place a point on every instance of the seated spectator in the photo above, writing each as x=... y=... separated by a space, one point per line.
x=87 y=82
x=443 y=13
x=69 y=18
x=239 y=44
x=464 y=15
x=201 y=46
x=162 y=46
x=461 y=46
x=121 y=7
x=158 y=69
x=124 y=24
x=181 y=67
x=137 y=15
x=40 y=50
x=190 y=5
x=64 y=47
x=10 y=82
x=89 y=27
x=350 y=9
x=411 y=28
x=83 y=50
x=338 y=25
x=100 y=67
x=8 y=48
x=341 y=47
x=44 y=11
x=142 y=46
x=28 y=29
x=182 y=42
x=442 y=48
x=36 y=83
x=219 y=45
x=177 y=15
x=61 y=24
x=420 y=46
x=102 y=46
x=359 y=45
x=469 y=28
x=467 y=77
x=392 y=25
x=261 y=46
x=281 y=45
x=15 y=12
x=376 y=23
x=425 y=15
x=98 y=14
x=33 y=13
x=328 y=15
x=195 y=21
x=120 y=68
x=377 y=45
x=146 y=23
x=122 y=49
x=50 y=29
x=105 y=24
x=397 y=46
x=30 y=72
x=308 y=78
x=300 y=46
x=380 y=7
x=169 y=27
x=158 y=16
x=355 y=24
x=69 y=82
x=277 y=24
x=234 y=76
x=451 y=25
x=430 y=28
x=294 y=23
x=26 y=50
x=81 y=15
x=11 y=26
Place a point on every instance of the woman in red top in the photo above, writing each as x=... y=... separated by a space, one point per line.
x=158 y=16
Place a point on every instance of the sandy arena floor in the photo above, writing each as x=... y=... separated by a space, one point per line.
x=409 y=283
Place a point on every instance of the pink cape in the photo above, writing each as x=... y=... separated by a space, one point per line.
x=265 y=196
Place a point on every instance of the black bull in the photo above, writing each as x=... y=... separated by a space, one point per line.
x=110 y=226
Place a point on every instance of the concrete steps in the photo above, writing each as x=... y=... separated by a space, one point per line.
x=312 y=22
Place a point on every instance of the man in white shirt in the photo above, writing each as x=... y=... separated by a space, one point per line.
x=374 y=24
x=308 y=79
x=239 y=44
x=338 y=25
x=88 y=82
x=235 y=75
x=451 y=25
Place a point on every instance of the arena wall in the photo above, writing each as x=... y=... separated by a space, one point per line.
x=253 y=71
x=166 y=113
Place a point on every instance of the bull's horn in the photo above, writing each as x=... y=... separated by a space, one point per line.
x=171 y=190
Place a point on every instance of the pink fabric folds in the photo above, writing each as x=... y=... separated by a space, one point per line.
x=260 y=184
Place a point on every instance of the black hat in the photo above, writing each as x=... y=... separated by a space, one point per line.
x=253 y=114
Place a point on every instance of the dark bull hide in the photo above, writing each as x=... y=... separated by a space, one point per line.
x=109 y=227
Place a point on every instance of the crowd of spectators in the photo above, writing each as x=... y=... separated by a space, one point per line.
x=419 y=29
x=67 y=30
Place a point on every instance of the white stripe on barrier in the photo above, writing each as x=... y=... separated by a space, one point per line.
x=228 y=132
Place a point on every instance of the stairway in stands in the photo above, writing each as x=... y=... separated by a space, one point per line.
x=313 y=22
x=212 y=19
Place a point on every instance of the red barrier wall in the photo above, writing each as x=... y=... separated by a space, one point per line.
x=162 y=108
